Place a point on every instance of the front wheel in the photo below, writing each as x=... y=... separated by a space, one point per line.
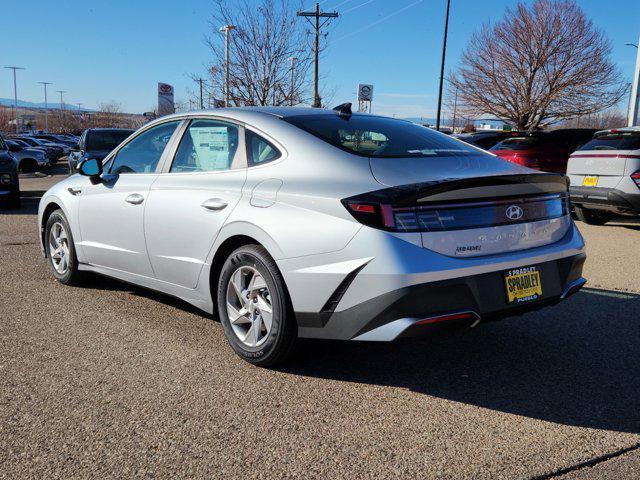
x=593 y=217
x=60 y=249
x=254 y=308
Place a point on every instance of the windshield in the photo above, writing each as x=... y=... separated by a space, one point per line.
x=380 y=137
x=517 y=143
x=105 y=139
x=614 y=141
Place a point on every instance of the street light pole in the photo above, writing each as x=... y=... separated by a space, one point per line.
x=633 y=118
x=444 y=51
x=292 y=92
x=227 y=29
x=46 y=106
x=62 y=107
x=15 y=94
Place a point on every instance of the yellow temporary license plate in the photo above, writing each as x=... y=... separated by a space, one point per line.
x=523 y=284
x=590 y=181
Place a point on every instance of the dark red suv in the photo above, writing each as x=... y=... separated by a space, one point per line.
x=546 y=151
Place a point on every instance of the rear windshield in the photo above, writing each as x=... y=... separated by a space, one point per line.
x=105 y=139
x=614 y=141
x=380 y=137
x=517 y=143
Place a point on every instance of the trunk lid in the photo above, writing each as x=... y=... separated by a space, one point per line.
x=470 y=206
x=400 y=171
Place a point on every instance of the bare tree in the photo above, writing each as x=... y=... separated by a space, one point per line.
x=266 y=36
x=611 y=118
x=539 y=65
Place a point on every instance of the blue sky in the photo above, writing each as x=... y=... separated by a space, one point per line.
x=117 y=50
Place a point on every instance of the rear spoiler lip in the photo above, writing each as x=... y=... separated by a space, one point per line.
x=414 y=193
x=603 y=155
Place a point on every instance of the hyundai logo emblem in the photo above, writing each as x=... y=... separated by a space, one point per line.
x=514 y=212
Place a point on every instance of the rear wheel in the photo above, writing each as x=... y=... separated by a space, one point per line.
x=593 y=217
x=254 y=309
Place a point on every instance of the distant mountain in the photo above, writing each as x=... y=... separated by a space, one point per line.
x=8 y=102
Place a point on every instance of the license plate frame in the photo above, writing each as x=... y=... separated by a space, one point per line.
x=523 y=285
x=590 y=181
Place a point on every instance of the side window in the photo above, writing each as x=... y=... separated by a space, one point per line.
x=206 y=146
x=142 y=154
x=259 y=150
x=83 y=140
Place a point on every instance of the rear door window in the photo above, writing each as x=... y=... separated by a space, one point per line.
x=614 y=141
x=206 y=146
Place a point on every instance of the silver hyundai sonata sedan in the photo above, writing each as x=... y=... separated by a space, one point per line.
x=292 y=222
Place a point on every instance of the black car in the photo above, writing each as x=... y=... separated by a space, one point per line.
x=485 y=140
x=9 y=186
x=57 y=151
x=97 y=143
x=56 y=139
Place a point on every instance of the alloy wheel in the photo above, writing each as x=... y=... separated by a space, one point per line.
x=59 y=248
x=249 y=306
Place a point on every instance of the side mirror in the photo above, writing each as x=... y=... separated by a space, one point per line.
x=92 y=167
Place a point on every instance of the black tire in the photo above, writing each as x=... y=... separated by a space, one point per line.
x=72 y=276
x=593 y=217
x=282 y=337
x=28 y=165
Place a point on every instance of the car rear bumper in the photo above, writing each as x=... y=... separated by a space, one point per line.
x=392 y=288
x=461 y=301
x=605 y=199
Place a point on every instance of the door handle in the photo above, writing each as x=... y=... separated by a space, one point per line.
x=134 y=199
x=214 y=204
x=74 y=191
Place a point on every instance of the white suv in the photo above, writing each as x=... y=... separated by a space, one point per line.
x=605 y=176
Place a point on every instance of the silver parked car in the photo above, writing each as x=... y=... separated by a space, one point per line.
x=605 y=176
x=295 y=222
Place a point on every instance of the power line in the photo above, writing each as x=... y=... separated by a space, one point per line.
x=341 y=3
x=366 y=27
x=357 y=6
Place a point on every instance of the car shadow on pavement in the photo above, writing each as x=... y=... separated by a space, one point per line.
x=574 y=364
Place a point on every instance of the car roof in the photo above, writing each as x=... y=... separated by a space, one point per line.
x=621 y=129
x=105 y=129
x=252 y=113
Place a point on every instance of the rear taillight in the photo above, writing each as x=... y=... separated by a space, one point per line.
x=439 y=217
x=636 y=178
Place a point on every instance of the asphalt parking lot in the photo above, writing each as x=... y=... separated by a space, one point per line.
x=110 y=380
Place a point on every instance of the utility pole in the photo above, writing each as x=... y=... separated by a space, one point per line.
x=61 y=102
x=317 y=25
x=444 y=51
x=455 y=108
x=227 y=29
x=46 y=106
x=292 y=92
x=79 y=106
x=201 y=99
x=634 y=111
x=15 y=94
